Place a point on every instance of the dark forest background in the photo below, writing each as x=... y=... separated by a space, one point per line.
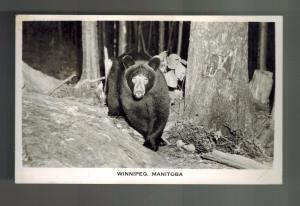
x=55 y=47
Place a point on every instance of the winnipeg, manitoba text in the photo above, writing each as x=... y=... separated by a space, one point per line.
x=153 y=174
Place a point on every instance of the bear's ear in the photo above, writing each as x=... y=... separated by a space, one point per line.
x=127 y=61
x=154 y=63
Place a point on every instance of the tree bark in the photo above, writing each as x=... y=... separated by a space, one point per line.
x=115 y=41
x=149 y=36
x=130 y=34
x=179 y=42
x=161 y=36
x=171 y=27
x=104 y=34
x=136 y=26
x=216 y=92
x=262 y=45
x=122 y=37
x=90 y=52
x=142 y=40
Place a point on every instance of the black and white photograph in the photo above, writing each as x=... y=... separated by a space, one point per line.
x=148 y=99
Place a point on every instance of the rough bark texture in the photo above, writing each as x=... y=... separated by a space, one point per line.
x=179 y=42
x=263 y=31
x=90 y=51
x=217 y=90
x=161 y=36
x=122 y=37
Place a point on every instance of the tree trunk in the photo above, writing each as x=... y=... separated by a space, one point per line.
x=179 y=42
x=171 y=27
x=142 y=40
x=90 y=52
x=130 y=34
x=149 y=36
x=161 y=36
x=104 y=33
x=263 y=45
x=122 y=37
x=115 y=43
x=217 y=92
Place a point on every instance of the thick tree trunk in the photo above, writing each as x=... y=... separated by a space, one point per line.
x=90 y=52
x=161 y=36
x=217 y=92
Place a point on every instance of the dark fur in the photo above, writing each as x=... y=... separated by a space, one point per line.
x=148 y=115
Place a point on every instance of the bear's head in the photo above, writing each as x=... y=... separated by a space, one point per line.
x=140 y=75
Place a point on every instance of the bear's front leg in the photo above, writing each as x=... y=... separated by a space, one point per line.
x=150 y=141
x=114 y=106
x=155 y=130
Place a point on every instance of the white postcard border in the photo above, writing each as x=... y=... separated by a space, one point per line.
x=189 y=176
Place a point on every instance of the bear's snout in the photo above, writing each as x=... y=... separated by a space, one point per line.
x=139 y=94
x=139 y=86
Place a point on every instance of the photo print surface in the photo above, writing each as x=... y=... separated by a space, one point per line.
x=148 y=99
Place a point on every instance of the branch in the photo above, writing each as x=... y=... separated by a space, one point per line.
x=86 y=81
x=62 y=83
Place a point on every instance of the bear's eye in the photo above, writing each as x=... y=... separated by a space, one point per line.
x=133 y=80
x=146 y=80
x=141 y=79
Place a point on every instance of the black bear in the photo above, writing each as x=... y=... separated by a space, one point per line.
x=136 y=88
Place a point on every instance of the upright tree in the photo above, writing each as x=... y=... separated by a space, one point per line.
x=90 y=53
x=122 y=37
x=115 y=37
x=149 y=36
x=217 y=93
x=161 y=31
x=179 y=41
x=170 y=35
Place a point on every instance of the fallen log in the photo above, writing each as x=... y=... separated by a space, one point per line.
x=233 y=160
